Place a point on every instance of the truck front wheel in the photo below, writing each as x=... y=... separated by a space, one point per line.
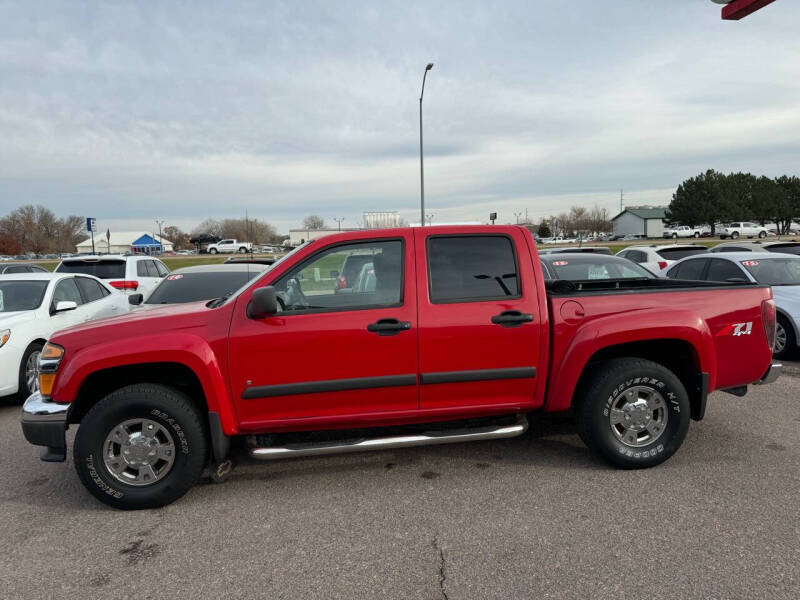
x=633 y=412
x=212 y=251
x=142 y=446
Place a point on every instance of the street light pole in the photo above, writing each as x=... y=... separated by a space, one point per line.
x=428 y=67
x=160 y=239
x=518 y=215
x=339 y=222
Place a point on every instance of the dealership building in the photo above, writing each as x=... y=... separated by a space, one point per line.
x=122 y=242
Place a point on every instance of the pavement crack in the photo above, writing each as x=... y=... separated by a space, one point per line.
x=442 y=568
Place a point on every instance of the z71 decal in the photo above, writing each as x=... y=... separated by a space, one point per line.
x=737 y=329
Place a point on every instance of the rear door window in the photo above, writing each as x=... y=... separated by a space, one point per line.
x=141 y=268
x=788 y=248
x=90 y=289
x=692 y=269
x=152 y=271
x=102 y=269
x=725 y=270
x=472 y=268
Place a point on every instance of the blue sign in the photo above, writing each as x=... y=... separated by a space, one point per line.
x=91 y=225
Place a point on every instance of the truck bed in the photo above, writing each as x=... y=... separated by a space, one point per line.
x=712 y=327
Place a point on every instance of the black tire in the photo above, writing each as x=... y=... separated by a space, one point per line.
x=212 y=251
x=607 y=386
x=242 y=250
x=697 y=234
x=23 y=389
x=790 y=347
x=674 y=236
x=734 y=235
x=165 y=406
x=762 y=234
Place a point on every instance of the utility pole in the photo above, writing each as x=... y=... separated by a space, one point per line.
x=160 y=239
x=620 y=201
x=526 y=216
x=428 y=67
x=339 y=222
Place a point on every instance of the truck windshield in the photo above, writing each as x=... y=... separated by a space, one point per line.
x=21 y=295
x=774 y=271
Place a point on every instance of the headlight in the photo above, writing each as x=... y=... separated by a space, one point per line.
x=49 y=360
x=4 y=335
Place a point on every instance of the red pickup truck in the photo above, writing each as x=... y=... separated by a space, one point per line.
x=438 y=334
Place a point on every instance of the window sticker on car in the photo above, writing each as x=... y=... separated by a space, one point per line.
x=174 y=277
x=750 y=263
x=560 y=263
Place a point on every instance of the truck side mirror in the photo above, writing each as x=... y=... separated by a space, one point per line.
x=264 y=303
x=135 y=299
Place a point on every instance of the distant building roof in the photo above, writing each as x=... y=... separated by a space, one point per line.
x=125 y=238
x=645 y=212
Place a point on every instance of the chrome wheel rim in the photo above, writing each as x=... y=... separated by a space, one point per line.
x=780 y=338
x=139 y=452
x=32 y=372
x=638 y=416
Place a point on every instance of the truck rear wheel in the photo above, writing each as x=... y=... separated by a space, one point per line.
x=633 y=412
x=142 y=446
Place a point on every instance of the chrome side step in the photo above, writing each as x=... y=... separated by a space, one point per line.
x=429 y=438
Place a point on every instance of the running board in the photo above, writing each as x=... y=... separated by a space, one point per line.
x=429 y=438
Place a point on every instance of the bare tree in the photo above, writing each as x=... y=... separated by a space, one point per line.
x=313 y=222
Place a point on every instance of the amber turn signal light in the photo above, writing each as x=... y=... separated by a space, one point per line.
x=46 y=381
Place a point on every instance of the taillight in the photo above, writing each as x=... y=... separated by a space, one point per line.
x=341 y=282
x=769 y=318
x=124 y=284
x=662 y=264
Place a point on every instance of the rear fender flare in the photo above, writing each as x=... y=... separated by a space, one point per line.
x=606 y=332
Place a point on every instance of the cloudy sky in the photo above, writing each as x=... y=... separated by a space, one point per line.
x=182 y=111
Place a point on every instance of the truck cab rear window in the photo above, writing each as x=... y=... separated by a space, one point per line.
x=472 y=268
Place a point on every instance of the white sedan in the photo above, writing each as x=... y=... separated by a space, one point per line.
x=35 y=305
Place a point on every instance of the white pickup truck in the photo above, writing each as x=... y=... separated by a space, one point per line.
x=682 y=231
x=229 y=247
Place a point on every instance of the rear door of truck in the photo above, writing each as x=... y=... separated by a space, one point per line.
x=479 y=318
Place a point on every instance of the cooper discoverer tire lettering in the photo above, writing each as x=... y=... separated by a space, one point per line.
x=633 y=412
x=142 y=446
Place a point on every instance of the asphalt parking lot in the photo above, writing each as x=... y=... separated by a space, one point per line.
x=530 y=517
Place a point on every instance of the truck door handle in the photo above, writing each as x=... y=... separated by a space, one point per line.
x=388 y=326
x=512 y=318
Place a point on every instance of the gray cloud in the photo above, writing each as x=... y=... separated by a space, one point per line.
x=132 y=112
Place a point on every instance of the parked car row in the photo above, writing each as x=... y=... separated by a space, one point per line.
x=384 y=339
x=34 y=303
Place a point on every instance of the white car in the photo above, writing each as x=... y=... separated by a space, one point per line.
x=781 y=271
x=35 y=305
x=129 y=274
x=682 y=231
x=743 y=229
x=229 y=247
x=657 y=258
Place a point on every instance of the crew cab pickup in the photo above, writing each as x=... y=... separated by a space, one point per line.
x=448 y=334
x=229 y=247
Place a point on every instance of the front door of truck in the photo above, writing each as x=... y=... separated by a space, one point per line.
x=479 y=324
x=332 y=350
